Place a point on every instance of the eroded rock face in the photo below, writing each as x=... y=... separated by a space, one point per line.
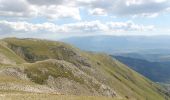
x=19 y=82
x=26 y=54
x=88 y=86
x=107 y=91
x=14 y=72
x=70 y=55
x=66 y=86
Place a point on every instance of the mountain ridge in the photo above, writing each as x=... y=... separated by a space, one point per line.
x=49 y=66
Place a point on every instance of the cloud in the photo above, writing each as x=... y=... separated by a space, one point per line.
x=142 y=7
x=7 y=27
x=16 y=8
x=83 y=27
x=46 y=2
x=129 y=26
x=60 y=11
x=25 y=27
x=57 y=9
x=51 y=9
x=129 y=7
x=98 y=11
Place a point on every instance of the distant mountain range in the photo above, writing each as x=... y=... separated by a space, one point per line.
x=123 y=44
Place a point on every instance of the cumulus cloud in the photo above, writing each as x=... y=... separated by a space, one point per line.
x=56 y=12
x=98 y=11
x=46 y=2
x=25 y=27
x=129 y=26
x=55 y=9
x=51 y=9
x=16 y=8
x=129 y=7
x=80 y=27
x=93 y=26
x=142 y=7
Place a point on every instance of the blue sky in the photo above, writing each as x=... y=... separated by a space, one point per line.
x=55 y=19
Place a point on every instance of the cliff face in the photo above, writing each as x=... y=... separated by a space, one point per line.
x=32 y=65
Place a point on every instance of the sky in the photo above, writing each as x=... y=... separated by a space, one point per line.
x=54 y=19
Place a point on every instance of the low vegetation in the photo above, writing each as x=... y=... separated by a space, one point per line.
x=40 y=69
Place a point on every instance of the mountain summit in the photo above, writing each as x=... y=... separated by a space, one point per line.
x=50 y=67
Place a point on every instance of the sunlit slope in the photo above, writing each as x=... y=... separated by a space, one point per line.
x=7 y=56
x=61 y=68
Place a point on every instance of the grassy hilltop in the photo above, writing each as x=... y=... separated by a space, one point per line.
x=36 y=69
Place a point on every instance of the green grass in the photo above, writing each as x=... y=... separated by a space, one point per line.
x=35 y=96
x=9 y=79
x=126 y=82
x=10 y=54
x=136 y=85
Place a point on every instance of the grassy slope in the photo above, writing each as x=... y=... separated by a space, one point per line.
x=123 y=80
x=10 y=54
x=31 y=96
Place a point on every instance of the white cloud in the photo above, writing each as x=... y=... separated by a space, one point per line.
x=51 y=9
x=128 y=26
x=98 y=11
x=19 y=27
x=79 y=27
x=129 y=7
x=56 y=9
x=46 y=2
x=16 y=8
x=60 y=11
x=93 y=26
